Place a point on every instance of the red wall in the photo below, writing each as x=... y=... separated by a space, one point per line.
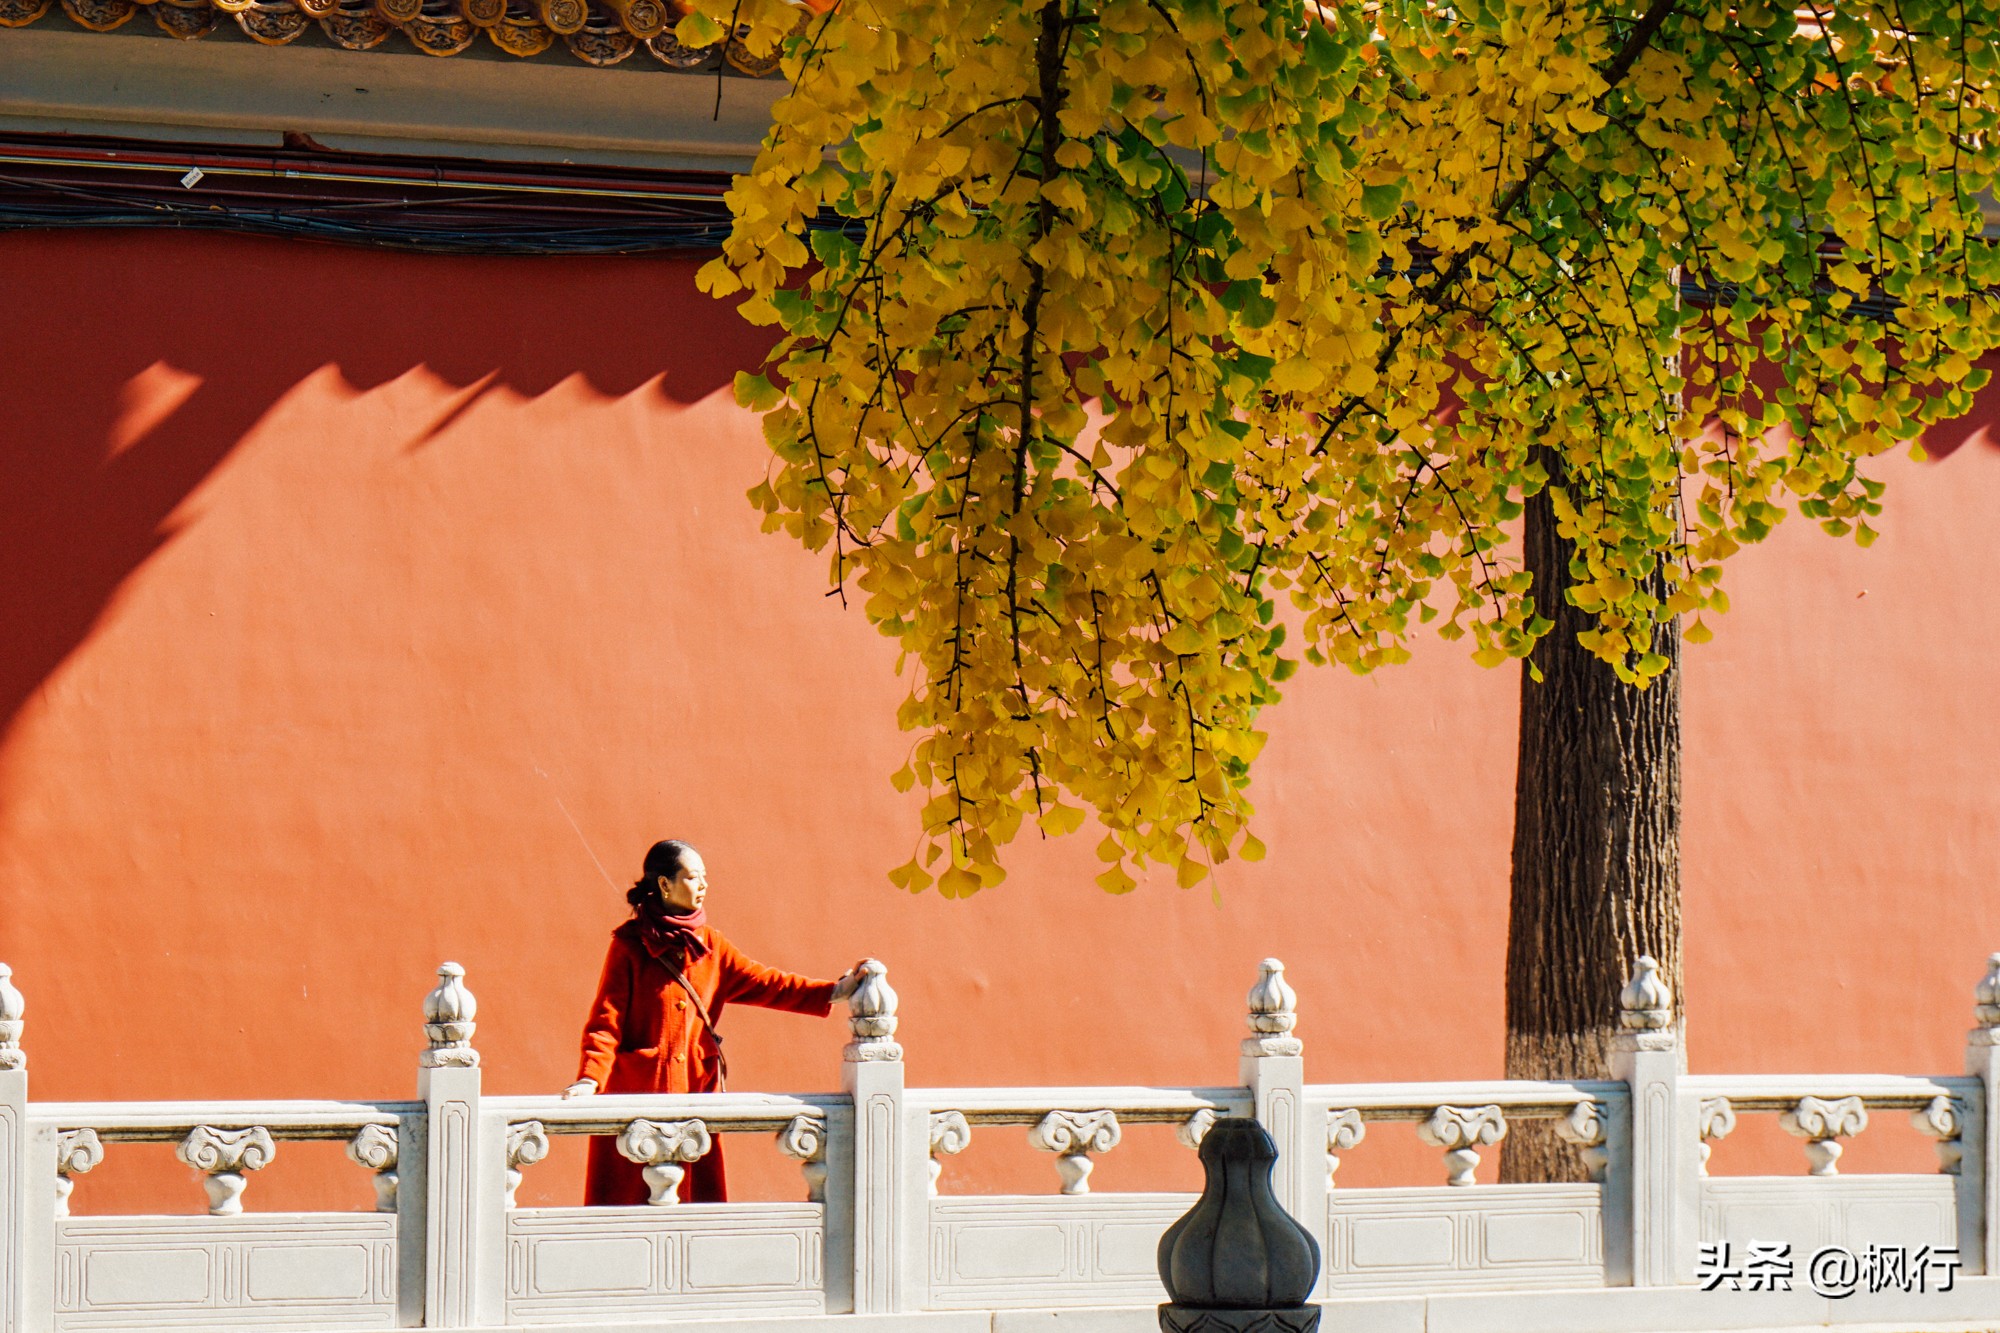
x=363 y=610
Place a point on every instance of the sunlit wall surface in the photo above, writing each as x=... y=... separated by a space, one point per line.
x=364 y=610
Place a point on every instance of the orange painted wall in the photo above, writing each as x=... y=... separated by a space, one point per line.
x=363 y=610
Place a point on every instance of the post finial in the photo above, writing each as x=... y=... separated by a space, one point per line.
x=871 y=1015
x=1647 y=1003
x=1273 y=1013
x=12 y=1007
x=1646 y=1010
x=448 y=1025
x=1985 y=997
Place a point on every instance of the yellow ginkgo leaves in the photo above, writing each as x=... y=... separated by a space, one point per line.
x=1144 y=347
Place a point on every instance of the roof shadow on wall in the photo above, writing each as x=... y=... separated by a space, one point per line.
x=144 y=358
x=207 y=332
x=1975 y=428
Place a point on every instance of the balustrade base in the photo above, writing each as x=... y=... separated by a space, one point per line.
x=1187 y=1319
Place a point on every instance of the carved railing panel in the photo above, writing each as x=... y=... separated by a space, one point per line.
x=249 y=1271
x=950 y=1135
x=527 y=1143
x=374 y=1147
x=77 y=1151
x=1450 y=1239
x=1461 y=1131
x=1074 y=1136
x=224 y=1156
x=1822 y=1124
x=1585 y=1128
x=805 y=1140
x=698 y=1260
x=1038 y=1251
x=1716 y=1119
x=1344 y=1130
x=664 y=1149
x=1942 y=1119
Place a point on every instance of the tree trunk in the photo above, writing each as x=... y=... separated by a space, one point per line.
x=1597 y=869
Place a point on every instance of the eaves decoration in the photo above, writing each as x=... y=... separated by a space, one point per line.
x=597 y=32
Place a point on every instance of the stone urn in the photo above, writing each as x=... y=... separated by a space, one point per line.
x=1237 y=1262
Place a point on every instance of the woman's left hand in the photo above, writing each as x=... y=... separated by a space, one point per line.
x=850 y=980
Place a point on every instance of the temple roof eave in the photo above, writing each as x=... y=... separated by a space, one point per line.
x=599 y=33
x=61 y=79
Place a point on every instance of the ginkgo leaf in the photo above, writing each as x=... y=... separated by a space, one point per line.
x=1060 y=819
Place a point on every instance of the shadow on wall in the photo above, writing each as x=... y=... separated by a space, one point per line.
x=1949 y=438
x=105 y=441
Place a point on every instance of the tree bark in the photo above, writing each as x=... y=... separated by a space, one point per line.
x=1597 y=871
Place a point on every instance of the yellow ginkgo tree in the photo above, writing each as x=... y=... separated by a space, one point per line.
x=1134 y=350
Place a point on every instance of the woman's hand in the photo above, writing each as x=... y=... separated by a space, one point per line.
x=849 y=982
x=583 y=1087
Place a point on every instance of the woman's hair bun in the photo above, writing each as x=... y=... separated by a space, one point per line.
x=662 y=858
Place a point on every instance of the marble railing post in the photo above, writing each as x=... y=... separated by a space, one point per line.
x=464 y=1219
x=413 y=1208
x=889 y=1165
x=1273 y=1067
x=1979 y=1135
x=27 y=1185
x=14 y=1155
x=1652 y=1182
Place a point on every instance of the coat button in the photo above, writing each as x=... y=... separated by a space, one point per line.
x=680 y=1004
x=679 y=1058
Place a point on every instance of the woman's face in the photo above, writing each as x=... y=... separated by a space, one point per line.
x=685 y=892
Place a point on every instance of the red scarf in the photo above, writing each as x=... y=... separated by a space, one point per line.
x=672 y=937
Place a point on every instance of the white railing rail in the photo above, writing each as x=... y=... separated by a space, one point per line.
x=666 y=1132
x=226 y=1140
x=166 y=1122
x=1824 y=1109
x=1076 y=1124
x=1778 y=1092
x=723 y=1112
x=1133 y=1106
x=1462 y=1117
x=447 y=1247
x=1522 y=1099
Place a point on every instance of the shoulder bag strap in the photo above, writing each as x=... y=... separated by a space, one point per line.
x=701 y=1012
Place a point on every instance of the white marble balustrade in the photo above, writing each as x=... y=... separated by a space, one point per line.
x=1826 y=1112
x=880 y=1228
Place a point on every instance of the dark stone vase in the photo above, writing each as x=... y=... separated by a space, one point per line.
x=1237 y=1262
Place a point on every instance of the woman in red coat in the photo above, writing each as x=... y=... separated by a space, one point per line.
x=667 y=979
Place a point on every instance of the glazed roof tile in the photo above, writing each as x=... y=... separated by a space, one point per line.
x=597 y=32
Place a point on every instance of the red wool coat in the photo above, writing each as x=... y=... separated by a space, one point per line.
x=644 y=1035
